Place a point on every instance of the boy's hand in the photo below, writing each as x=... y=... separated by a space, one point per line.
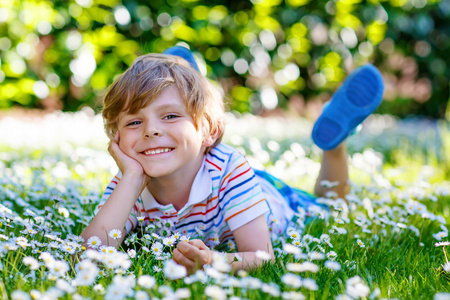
x=126 y=164
x=193 y=255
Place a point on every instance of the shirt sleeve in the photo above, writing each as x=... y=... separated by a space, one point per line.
x=241 y=197
x=132 y=218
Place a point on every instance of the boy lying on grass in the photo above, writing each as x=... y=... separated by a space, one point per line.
x=165 y=121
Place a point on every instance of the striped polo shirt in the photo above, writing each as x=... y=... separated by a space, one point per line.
x=226 y=194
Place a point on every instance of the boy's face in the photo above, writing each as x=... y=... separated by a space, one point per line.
x=162 y=136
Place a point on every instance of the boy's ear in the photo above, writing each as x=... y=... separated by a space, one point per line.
x=210 y=138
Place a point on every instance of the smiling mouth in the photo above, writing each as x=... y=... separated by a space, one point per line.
x=157 y=151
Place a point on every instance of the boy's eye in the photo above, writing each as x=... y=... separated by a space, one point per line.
x=134 y=123
x=168 y=117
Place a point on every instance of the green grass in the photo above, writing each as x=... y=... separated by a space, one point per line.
x=397 y=261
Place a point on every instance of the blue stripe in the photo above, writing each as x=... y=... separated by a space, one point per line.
x=218 y=158
x=222 y=151
x=236 y=196
x=238 y=185
x=204 y=222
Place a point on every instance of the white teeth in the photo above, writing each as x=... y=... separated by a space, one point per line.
x=157 y=151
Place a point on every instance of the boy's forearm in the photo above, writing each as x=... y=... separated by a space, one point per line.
x=115 y=212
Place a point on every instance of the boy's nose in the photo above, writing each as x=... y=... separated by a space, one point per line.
x=153 y=132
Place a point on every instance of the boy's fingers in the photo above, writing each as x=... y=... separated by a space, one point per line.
x=194 y=253
x=188 y=250
x=180 y=259
x=199 y=244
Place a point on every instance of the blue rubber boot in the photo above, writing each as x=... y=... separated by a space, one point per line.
x=358 y=97
x=184 y=53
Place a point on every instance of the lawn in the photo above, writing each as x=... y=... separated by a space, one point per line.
x=387 y=240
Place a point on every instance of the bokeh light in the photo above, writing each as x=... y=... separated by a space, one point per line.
x=301 y=48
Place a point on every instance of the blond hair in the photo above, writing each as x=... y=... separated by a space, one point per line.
x=149 y=74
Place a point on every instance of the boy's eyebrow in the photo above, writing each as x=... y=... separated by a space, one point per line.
x=170 y=105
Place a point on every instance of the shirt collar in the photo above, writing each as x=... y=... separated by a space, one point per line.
x=201 y=189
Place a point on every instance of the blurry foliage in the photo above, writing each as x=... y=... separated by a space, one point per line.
x=265 y=53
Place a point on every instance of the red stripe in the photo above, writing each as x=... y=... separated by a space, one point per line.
x=214 y=165
x=226 y=231
x=228 y=175
x=225 y=237
x=238 y=175
x=200 y=213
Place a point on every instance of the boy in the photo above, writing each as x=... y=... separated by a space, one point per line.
x=166 y=120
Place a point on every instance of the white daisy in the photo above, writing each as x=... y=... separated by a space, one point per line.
x=31 y=262
x=310 y=284
x=157 y=248
x=264 y=255
x=20 y=295
x=332 y=265
x=174 y=271
x=360 y=243
x=169 y=241
x=115 y=234
x=131 y=253
x=94 y=242
x=215 y=292
x=292 y=280
x=141 y=295
x=440 y=244
x=146 y=281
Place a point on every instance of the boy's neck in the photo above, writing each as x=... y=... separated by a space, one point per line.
x=174 y=190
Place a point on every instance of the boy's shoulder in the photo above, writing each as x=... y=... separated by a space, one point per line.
x=222 y=156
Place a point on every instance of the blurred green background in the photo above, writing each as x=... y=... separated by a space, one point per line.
x=268 y=55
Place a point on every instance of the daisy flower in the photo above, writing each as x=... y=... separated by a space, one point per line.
x=215 y=292
x=294 y=234
x=184 y=238
x=20 y=295
x=440 y=235
x=99 y=289
x=131 y=253
x=292 y=280
x=446 y=267
x=231 y=245
x=332 y=265
x=156 y=269
x=157 y=248
x=174 y=271
x=264 y=255
x=291 y=249
x=146 y=281
x=360 y=243
x=22 y=242
x=107 y=249
x=440 y=244
x=115 y=234
x=310 y=284
x=31 y=262
x=59 y=268
x=215 y=239
x=141 y=295
x=169 y=241
x=314 y=255
x=68 y=248
x=94 y=242
x=182 y=293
